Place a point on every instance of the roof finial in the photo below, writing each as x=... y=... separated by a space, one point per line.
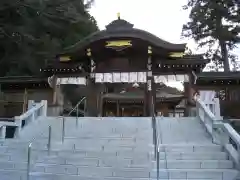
x=118 y=15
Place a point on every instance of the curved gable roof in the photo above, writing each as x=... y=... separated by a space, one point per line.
x=122 y=29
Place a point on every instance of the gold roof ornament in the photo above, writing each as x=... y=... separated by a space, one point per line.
x=149 y=50
x=118 y=15
x=119 y=43
x=64 y=58
x=89 y=53
x=177 y=54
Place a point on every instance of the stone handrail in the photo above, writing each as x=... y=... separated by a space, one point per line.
x=205 y=115
x=220 y=131
x=208 y=98
x=36 y=110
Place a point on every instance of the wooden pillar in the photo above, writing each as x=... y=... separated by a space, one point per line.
x=145 y=102
x=25 y=100
x=188 y=93
x=92 y=89
x=99 y=99
x=122 y=111
x=149 y=83
x=100 y=108
x=118 y=109
x=154 y=94
x=54 y=100
x=92 y=95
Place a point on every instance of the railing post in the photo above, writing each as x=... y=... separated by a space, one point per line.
x=158 y=163
x=3 y=132
x=77 y=117
x=238 y=161
x=156 y=139
x=154 y=128
x=30 y=104
x=154 y=124
x=85 y=106
x=18 y=121
x=217 y=111
x=49 y=139
x=33 y=115
x=156 y=143
x=29 y=160
x=44 y=108
x=63 y=129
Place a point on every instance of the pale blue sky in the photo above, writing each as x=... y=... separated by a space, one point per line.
x=163 y=18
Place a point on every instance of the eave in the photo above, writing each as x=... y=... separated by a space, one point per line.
x=23 y=82
x=221 y=79
x=182 y=64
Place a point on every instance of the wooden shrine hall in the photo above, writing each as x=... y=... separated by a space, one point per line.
x=121 y=71
x=226 y=86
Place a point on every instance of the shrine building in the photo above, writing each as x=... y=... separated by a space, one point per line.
x=122 y=71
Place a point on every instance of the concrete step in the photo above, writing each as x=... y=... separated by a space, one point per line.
x=14 y=165
x=95 y=172
x=193 y=156
x=17 y=157
x=97 y=162
x=98 y=146
x=190 y=148
x=107 y=139
x=187 y=179
x=70 y=148
x=220 y=174
x=12 y=175
x=102 y=154
x=195 y=164
x=51 y=176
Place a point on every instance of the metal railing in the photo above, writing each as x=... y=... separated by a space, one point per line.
x=49 y=143
x=77 y=112
x=155 y=139
x=29 y=152
x=29 y=160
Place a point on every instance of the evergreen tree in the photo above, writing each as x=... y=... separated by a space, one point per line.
x=214 y=24
x=33 y=31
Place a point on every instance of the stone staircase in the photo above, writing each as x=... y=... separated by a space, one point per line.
x=100 y=149
x=195 y=162
x=115 y=149
x=97 y=149
x=187 y=152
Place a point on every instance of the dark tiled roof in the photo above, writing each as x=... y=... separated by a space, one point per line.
x=22 y=79
x=218 y=75
x=122 y=29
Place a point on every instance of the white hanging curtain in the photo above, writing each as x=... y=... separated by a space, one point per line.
x=116 y=77
x=171 y=78
x=133 y=77
x=142 y=77
x=162 y=79
x=108 y=77
x=186 y=78
x=124 y=77
x=180 y=78
x=72 y=80
x=99 y=78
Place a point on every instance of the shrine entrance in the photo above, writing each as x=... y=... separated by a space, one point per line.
x=121 y=71
x=125 y=110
